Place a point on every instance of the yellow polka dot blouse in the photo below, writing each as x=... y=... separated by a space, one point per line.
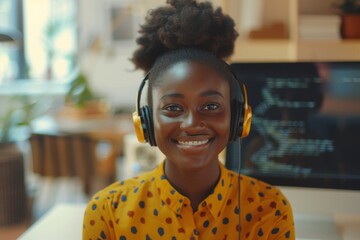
x=148 y=207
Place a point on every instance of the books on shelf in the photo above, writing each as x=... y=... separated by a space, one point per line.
x=321 y=27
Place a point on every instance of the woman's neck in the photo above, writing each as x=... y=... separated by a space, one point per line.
x=195 y=185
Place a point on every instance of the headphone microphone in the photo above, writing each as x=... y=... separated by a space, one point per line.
x=241 y=114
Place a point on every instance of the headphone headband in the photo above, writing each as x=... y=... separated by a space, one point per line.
x=142 y=84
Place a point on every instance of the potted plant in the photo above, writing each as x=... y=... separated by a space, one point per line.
x=19 y=113
x=16 y=117
x=81 y=101
x=350 y=18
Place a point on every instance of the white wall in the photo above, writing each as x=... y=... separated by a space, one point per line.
x=106 y=62
x=113 y=76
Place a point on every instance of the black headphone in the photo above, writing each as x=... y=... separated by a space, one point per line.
x=241 y=114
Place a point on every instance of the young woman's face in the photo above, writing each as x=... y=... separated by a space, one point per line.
x=191 y=110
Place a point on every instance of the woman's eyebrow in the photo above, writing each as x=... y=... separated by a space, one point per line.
x=172 y=95
x=203 y=94
x=211 y=93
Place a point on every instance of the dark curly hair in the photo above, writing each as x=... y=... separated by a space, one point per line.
x=184 y=24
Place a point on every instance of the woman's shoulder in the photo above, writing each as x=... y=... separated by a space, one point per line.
x=255 y=183
x=119 y=195
x=250 y=183
x=123 y=187
x=256 y=189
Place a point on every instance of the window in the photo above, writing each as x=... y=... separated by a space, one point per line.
x=11 y=54
x=47 y=47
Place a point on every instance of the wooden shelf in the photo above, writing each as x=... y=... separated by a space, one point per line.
x=264 y=50
x=293 y=48
x=289 y=51
x=346 y=50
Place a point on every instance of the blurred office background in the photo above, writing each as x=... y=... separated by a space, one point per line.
x=68 y=88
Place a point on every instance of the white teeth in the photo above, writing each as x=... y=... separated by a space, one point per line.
x=193 y=143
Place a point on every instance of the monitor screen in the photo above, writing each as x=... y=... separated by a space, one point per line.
x=306 y=124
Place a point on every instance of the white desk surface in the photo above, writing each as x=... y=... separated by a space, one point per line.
x=64 y=221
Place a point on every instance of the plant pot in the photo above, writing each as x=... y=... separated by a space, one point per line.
x=12 y=185
x=92 y=109
x=350 y=26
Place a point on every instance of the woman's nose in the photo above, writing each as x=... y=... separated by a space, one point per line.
x=192 y=120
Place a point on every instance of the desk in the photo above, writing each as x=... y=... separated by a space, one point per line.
x=325 y=211
x=327 y=227
x=64 y=221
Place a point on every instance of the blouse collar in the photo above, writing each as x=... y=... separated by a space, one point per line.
x=214 y=202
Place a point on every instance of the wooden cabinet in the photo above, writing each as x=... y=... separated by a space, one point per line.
x=252 y=13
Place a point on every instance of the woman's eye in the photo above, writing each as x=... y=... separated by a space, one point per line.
x=172 y=108
x=211 y=106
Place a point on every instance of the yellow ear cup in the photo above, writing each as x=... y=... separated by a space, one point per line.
x=138 y=127
x=247 y=122
x=247 y=116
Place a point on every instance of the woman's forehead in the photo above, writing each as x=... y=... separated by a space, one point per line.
x=189 y=71
x=179 y=70
x=191 y=79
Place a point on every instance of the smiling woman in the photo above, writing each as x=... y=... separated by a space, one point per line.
x=183 y=118
x=196 y=106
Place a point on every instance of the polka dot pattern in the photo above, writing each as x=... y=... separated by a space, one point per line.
x=148 y=207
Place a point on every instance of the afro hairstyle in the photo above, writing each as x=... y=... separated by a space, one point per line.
x=184 y=24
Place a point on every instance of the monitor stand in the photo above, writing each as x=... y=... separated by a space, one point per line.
x=315 y=227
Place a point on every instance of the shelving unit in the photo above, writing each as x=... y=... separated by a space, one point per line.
x=345 y=50
x=292 y=48
x=269 y=50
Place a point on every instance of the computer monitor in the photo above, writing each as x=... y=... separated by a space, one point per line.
x=306 y=124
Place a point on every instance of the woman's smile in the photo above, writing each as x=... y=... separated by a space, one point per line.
x=193 y=146
x=193 y=143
